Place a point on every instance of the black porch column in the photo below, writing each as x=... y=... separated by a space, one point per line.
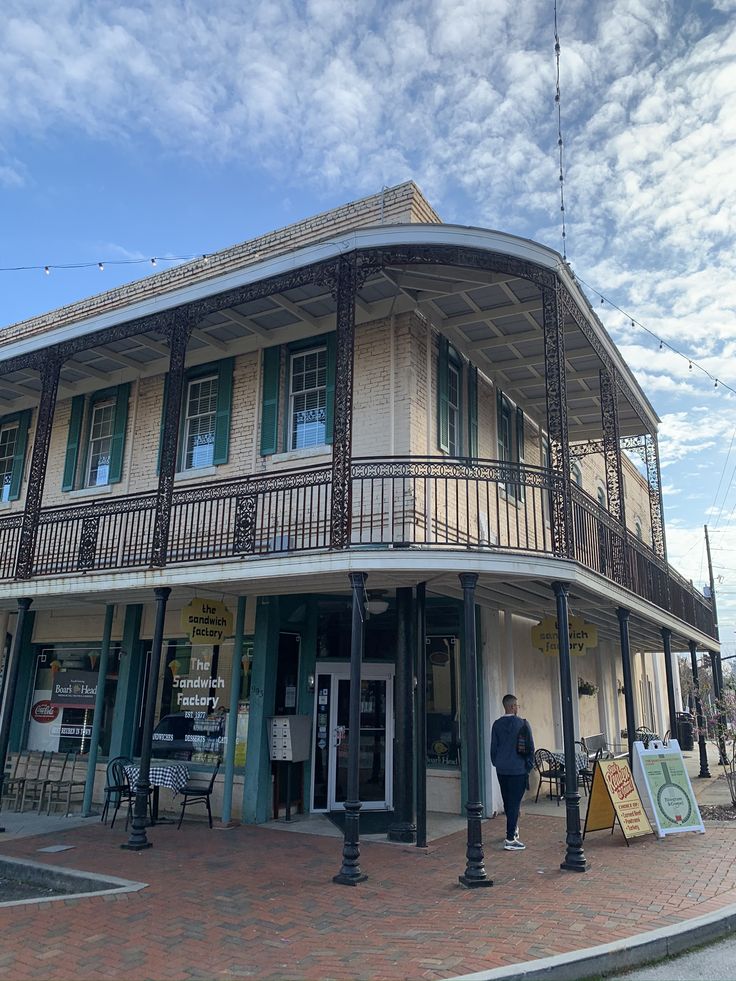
x=138 y=840
x=421 y=753
x=574 y=854
x=403 y=827
x=350 y=873
x=612 y=463
x=559 y=446
x=704 y=771
x=667 y=645
x=715 y=665
x=178 y=336
x=623 y=626
x=342 y=439
x=49 y=371
x=475 y=873
x=12 y=666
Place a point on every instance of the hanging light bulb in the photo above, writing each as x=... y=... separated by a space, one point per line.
x=153 y=261
x=661 y=345
x=716 y=384
x=47 y=270
x=100 y=266
x=690 y=366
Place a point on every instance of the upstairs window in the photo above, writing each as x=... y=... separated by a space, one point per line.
x=577 y=475
x=298 y=395
x=13 y=438
x=96 y=439
x=308 y=399
x=204 y=428
x=510 y=428
x=601 y=495
x=200 y=423
x=450 y=402
x=453 y=410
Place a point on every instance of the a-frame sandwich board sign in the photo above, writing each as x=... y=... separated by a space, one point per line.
x=614 y=797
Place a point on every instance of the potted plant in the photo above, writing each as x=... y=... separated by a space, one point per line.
x=586 y=687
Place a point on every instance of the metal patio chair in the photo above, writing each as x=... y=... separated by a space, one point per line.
x=198 y=793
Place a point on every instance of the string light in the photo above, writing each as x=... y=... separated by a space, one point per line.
x=101 y=263
x=717 y=382
x=47 y=270
x=153 y=261
x=559 y=139
x=101 y=266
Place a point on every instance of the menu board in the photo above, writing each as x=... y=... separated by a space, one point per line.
x=666 y=786
x=613 y=796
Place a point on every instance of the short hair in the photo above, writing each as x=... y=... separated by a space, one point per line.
x=508 y=699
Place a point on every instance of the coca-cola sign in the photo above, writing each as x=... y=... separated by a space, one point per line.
x=44 y=711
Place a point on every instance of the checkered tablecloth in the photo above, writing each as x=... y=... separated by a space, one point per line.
x=175 y=777
x=581 y=760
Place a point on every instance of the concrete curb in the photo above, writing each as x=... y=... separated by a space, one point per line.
x=620 y=955
x=75 y=883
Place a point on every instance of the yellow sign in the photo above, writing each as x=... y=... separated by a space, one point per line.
x=614 y=795
x=582 y=636
x=206 y=621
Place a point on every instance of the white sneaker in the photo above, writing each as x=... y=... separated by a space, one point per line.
x=514 y=845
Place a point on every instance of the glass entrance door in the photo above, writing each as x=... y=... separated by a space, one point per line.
x=332 y=739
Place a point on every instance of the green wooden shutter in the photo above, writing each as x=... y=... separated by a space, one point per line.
x=72 y=443
x=224 y=405
x=520 y=446
x=120 y=422
x=161 y=424
x=330 y=393
x=499 y=423
x=19 y=457
x=270 y=400
x=443 y=385
x=473 y=412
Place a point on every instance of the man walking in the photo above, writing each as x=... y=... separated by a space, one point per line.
x=512 y=754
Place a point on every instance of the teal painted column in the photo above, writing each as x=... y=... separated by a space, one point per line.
x=236 y=676
x=257 y=795
x=305 y=702
x=89 y=784
x=129 y=676
x=24 y=686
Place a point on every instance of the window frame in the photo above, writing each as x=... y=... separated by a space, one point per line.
x=21 y=421
x=77 y=457
x=510 y=419
x=289 y=432
x=196 y=379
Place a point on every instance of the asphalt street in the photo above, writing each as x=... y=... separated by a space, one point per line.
x=714 y=963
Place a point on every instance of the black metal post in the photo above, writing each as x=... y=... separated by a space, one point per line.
x=350 y=873
x=341 y=502
x=553 y=329
x=623 y=626
x=475 y=873
x=138 y=840
x=403 y=828
x=421 y=748
x=574 y=854
x=720 y=718
x=672 y=708
x=12 y=666
x=704 y=771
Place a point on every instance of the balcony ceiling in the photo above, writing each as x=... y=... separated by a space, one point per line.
x=493 y=319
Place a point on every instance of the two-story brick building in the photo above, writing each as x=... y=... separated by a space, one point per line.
x=369 y=392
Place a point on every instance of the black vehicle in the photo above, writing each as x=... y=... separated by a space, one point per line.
x=179 y=736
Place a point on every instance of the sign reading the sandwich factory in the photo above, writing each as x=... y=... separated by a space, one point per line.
x=582 y=636
x=206 y=621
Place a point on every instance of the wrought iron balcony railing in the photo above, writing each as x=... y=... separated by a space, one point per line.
x=397 y=502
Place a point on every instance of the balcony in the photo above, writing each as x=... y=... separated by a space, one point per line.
x=397 y=502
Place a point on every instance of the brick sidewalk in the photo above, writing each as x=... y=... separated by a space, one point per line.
x=254 y=902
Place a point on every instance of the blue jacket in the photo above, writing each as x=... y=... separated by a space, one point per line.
x=503 y=747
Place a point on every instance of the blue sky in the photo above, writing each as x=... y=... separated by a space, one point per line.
x=182 y=127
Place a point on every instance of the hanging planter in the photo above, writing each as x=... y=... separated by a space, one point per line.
x=586 y=687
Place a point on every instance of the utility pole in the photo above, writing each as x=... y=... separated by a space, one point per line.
x=715 y=658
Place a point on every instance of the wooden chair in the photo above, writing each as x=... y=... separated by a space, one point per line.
x=51 y=771
x=15 y=775
x=198 y=793
x=550 y=770
x=71 y=788
x=36 y=766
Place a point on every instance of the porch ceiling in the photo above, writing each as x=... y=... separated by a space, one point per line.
x=494 y=319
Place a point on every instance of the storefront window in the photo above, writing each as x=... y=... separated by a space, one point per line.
x=443 y=720
x=193 y=702
x=63 y=702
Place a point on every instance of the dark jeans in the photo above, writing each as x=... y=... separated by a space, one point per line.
x=512 y=791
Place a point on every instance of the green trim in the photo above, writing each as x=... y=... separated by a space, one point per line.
x=473 y=412
x=443 y=388
x=19 y=457
x=330 y=388
x=257 y=792
x=71 y=458
x=224 y=406
x=132 y=661
x=120 y=423
x=270 y=400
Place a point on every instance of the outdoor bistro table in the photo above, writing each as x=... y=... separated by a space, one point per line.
x=581 y=762
x=175 y=776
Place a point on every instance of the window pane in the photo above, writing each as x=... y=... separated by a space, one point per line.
x=100 y=443
x=199 y=441
x=8 y=439
x=308 y=399
x=453 y=413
